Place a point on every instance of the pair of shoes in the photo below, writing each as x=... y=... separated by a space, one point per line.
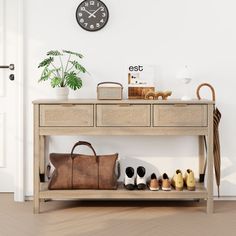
x=178 y=181
x=165 y=183
x=131 y=181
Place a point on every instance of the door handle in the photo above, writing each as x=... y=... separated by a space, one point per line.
x=10 y=67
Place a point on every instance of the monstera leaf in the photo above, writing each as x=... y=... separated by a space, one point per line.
x=56 y=82
x=73 y=81
x=47 y=74
x=54 y=53
x=46 y=62
x=78 y=66
x=73 y=53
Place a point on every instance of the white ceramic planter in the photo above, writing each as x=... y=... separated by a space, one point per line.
x=62 y=93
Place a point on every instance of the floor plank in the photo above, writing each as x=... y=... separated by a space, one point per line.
x=101 y=218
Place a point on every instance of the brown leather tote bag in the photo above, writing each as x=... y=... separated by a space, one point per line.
x=79 y=171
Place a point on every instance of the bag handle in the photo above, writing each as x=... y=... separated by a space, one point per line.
x=83 y=143
x=110 y=83
x=209 y=86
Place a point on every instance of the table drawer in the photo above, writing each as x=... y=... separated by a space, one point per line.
x=180 y=115
x=66 y=115
x=123 y=115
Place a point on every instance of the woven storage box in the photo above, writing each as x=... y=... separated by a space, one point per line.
x=109 y=91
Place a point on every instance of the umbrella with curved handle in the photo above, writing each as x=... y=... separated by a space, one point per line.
x=216 y=139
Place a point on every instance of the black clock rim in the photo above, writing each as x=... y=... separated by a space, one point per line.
x=90 y=29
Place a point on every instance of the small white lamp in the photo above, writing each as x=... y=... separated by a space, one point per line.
x=186 y=78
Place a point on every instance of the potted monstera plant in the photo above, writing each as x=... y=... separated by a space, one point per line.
x=63 y=70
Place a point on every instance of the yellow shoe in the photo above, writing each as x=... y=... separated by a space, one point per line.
x=177 y=181
x=190 y=180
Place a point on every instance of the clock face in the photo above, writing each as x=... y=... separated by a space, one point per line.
x=92 y=15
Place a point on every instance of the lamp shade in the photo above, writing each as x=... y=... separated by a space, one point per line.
x=184 y=74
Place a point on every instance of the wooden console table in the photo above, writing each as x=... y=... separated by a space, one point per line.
x=124 y=117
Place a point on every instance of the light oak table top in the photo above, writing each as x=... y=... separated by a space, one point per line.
x=125 y=101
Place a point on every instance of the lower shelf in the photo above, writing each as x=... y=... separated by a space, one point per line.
x=121 y=193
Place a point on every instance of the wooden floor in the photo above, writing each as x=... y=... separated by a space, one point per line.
x=116 y=218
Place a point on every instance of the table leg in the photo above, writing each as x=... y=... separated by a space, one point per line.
x=210 y=204
x=36 y=159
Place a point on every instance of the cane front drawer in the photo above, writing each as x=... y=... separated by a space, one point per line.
x=123 y=115
x=66 y=115
x=180 y=115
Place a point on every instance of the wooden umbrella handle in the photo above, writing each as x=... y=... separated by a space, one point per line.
x=209 y=86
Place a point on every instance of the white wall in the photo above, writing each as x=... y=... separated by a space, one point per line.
x=167 y=34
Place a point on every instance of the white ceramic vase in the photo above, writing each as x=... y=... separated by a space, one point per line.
x=62 y=93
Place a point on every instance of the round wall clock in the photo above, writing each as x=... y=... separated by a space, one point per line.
x=92 y=15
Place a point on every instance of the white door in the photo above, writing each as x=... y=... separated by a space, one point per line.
x=9 y=95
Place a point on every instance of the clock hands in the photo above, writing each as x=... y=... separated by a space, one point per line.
x=90 y=14
x=93 y=14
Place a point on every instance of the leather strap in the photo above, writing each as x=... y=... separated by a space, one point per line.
x=110 y=83
x=209 y=86
x=83 y=143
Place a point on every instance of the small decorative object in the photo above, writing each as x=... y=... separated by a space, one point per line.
x=140 y=80
x=185 y=77
x=92 y=15
x=62 y=74
x=164 y=95
x=109 y=91
x=151 y=95
x=139 y=92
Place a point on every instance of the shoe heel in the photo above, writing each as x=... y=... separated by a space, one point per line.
x=166 y=189
x=191 y=188
x=179 y=189
x=154 y=189
x=130 y=186
x=141 y=186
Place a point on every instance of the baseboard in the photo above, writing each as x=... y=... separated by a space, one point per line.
x=29 y=198
x=225 y=198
